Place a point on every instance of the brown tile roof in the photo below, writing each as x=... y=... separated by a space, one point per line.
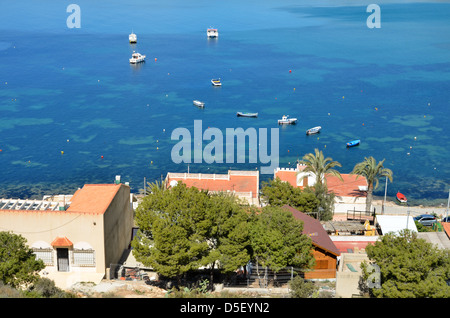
x=93 y=198
x=314 y=229
x=238 y=181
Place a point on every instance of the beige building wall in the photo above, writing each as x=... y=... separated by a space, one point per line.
x=103 y=236
x=41 y=228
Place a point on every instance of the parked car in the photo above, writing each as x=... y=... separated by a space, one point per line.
x=426 y=219
x=446 y=219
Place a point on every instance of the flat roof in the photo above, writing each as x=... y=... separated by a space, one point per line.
x=395 y=223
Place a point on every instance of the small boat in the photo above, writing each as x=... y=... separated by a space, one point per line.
x=401 y=197
x=132 y=38
x=314 y=130
x=287 y=121
x=353 y=143
x=240 y=114
x=199 y=103
x=137 y=58
x=216 y=82
x=212 y=33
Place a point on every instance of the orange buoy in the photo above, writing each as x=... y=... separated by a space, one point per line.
x=102 y=157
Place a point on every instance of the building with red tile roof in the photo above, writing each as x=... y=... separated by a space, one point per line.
x=350 y=192
x=325 y=252
x=243 y=184
x=77 y=236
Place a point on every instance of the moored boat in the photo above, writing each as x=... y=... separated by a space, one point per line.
x=314 y=130
x=137 y=58
x=401 y=197
x=353 y=143
x=132 y=38
x=241 y=114
x=285 y=120
x=212 y=33
x=216 y=82
x=199 y=103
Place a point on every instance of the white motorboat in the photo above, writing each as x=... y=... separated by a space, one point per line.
x=199 y=103
x=132 y=38
x=137 y=58
x=285 y=120
x=216 y=82
x=212 y=33
x=314 y=130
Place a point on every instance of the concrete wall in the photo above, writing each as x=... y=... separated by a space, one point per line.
x=346 y=280
x=118 y=224
x=343 y=204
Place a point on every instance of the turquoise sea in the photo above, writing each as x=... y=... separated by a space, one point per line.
x=74 y=111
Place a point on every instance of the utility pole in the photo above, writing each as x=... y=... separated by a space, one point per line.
x=448 y=202
x=407 y=219
x=384 y=200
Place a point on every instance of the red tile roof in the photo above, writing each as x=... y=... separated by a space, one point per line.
x=62 y=242
x=446 y=226
x=238 y=181
x=315 y=230
x=93 y=198
x=349 y=187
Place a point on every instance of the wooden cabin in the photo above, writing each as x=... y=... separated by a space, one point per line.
x=325 y=252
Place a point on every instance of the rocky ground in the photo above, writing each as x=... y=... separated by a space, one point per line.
x=138 y=289
x=118 y=289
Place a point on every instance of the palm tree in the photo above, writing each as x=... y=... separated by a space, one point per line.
x=320 y=166
x=154 y=186
x=372 y=171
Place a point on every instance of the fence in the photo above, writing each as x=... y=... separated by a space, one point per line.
x=264 y=277
x=361 y=215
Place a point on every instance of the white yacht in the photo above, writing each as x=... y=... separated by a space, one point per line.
x=137 y=58
x=132 y=38
x=285 y=120
x=212 y=33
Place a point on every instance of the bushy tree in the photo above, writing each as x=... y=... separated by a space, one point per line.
x=182 y=229
x=280 y=193
x=299 y=288
x=18 y=264
x=277 y=240
x=46 y=288
x=410 y=267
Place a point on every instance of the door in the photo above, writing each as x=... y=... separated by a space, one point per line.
x=62 y=255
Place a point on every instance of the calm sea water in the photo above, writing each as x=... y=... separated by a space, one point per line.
x=74 y=111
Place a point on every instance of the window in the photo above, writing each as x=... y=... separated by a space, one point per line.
x=45 y=254
x=84 y=257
